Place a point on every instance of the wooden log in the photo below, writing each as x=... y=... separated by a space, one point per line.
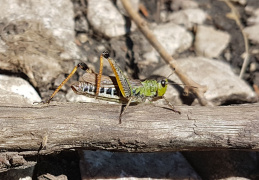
x=144 y=128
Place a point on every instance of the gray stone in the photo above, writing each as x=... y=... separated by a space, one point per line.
x=82 y=37
x=109 y=165
x=14 y=166
x=52 y=177
x=210 y=42
x=224 y=165
x=241 y=2
x=188 y=17
x=105 y=18
x=35 y=37
x=20 y=173
x=134 y=4
x=253 y=33
x=14 y=90
x=254 y=19
x=56 y=16
x=253 y=66
x=249 y=10
x=186 y=4
x=173 y=37
x=73 y=97
x=81 y=24
x=150 y=57
x=223 y=85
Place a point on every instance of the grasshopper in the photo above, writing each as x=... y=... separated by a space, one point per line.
x=116 y=88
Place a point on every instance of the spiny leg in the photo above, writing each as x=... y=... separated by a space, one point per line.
x=124 y=109
x=170 y=105
x=83 y=66
x=99 y=76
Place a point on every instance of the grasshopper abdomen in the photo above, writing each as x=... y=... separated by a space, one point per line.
x=108 y=90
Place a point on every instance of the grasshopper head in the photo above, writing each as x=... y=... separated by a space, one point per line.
x=162 y=86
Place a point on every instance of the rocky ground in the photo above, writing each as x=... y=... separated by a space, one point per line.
x=210 y=39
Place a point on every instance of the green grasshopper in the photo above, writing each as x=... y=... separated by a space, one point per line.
x=116 y=88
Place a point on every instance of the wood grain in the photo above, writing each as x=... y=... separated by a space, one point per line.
x=144 y=128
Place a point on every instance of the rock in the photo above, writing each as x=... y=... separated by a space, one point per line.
x=82 y=37
x=20 y=173
x=14 y=166
x=151 y=57
x=173 y=37
x=188 y=17
x=105 y=18
x=223 y=85
x=210 y=42
x=72 y=97
x=177 y=39
x=253 y=67
x=134 y=4
x=249 y=10
x=224 y=165
x=35 y=37
x=241 y=2
x=81 y=25
x=26 y=178
x=254 y=19
x=110 y=165
x=52 y=177
x=186 y=4
x=56 y=16
x=253 y=33
x=17 y=91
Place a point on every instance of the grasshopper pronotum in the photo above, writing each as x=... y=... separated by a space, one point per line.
x=118 y=88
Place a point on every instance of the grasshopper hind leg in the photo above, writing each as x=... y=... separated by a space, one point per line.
x=123 y=109
x=82 y=66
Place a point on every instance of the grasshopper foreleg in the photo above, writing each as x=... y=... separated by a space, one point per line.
x=83 y=66
x=170 y=105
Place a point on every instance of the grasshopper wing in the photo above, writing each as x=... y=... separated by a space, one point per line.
x=106 y=81
x=135 y=83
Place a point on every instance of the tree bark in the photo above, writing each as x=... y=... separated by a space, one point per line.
x=144 y=128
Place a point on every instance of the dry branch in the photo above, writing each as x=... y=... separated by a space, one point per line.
x=192 y=86
x=236 y=17
x=144 y=128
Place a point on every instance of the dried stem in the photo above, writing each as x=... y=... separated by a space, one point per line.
x=199 y=90
x=236 y=17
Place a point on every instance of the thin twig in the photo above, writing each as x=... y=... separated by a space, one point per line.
x=143 y=27
x=236 y=17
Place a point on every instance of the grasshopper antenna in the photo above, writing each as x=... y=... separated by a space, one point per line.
x=83 y=66
x=170 y=75
x=186 y=87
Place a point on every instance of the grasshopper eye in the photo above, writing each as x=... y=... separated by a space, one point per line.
x=163 y=83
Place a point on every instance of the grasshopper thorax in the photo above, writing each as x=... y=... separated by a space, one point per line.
x=151 y=89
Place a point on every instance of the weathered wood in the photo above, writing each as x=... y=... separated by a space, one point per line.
x=144 y=128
